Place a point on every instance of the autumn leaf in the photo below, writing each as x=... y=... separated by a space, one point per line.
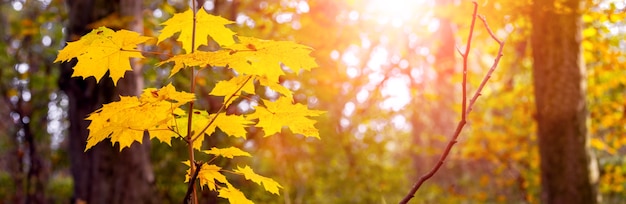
x=252 y=56
x=264 y=57
x=198 y=58
x=107 y=122
x=207 y=176
x=276 y=87
x=125 y=121
x=167 y=93
x=267 y=183
x=229 y=152
x=233 y=87
x=103 y=50
x=234 y=195
x=206 y=25
x=232 y=125
x=283 y=112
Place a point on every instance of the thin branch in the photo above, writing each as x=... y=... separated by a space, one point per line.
x=192 y=182
x=459 y=50
x=493 y=66
x=465 y=58
x=466 y=110
x=190 y=111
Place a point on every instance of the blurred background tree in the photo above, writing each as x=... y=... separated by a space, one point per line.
x=389 y=78
x=104 y=174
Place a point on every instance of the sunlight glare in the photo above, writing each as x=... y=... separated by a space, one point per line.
x=396 y=12
x=362 y=96
x=17 y=5
x=397 y=91
x=380 y=57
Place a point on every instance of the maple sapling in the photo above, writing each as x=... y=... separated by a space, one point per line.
x=159 y=111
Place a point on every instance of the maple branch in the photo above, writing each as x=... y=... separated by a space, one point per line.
x=220 y=110
x=190 y=112
x=192 y=180
x=465 y=109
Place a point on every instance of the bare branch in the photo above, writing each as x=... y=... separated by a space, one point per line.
x=459 y=50
x=493 y=66
x=465 y=109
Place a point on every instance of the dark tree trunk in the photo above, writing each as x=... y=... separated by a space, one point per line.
x=567 y=164
x=101 y=174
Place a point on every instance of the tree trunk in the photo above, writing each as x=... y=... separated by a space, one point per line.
x=567 y=164
x=102 y=174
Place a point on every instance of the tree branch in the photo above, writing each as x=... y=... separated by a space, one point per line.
x=192 y=181
x=493 y=66
x=190 y=112
x=465 y=109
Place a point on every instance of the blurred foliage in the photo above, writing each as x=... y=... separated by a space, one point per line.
x=604 y=50
x=370 y=61
x=30 y=37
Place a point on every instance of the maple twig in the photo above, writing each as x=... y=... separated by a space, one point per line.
x=493 y=66
x=220 y=110
x=192 y=181
x=190 y=112
x=465 y=109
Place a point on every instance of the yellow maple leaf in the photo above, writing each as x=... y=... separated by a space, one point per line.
x=198 y=58
x=167 y=93
x=103 y=50
x=232 y=125
x=207 y=176
x=125 y=121
x=229 y=152
x=233 y=87
x=264 y=57
x=283 y=112
x=234 y=195
x=267 y=183
x=252 y=56
x=206 y=25
x=276 y=87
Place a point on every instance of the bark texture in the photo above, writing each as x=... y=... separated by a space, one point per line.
x=101 y=174
x=567 y=164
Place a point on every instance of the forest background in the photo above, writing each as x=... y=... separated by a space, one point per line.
x=388 y=77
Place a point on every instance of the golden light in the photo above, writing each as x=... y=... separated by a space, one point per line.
x=394 y=12
x=389 y=22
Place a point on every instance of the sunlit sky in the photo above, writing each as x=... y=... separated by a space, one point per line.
x=392 y=16
x=395 y=13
